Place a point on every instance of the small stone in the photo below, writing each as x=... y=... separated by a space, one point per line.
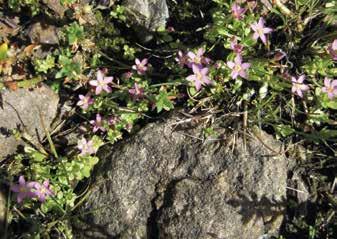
x=21 y=108
x=41 y=33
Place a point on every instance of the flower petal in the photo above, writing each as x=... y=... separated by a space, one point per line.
x=245 y=66
x=108 y=79
x=301 y=79
x=263 y=38
x=230 y=64
x=191 y=78
x=327 y=82
x=100 y=75
x=267 y=30
x=204 y=71
x=22 y=180
x=299 y=93
x=144 y=61
x=93 y=82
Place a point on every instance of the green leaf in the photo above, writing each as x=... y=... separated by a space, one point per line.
x=284 y=130
x=45 y=65
x=3 y=51
x=163 y=102
x=74 y=32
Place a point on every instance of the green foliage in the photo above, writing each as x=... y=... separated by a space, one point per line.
x=33 y=5
x=45 y=64
x=118 y=12
x=74 y=33
x=3 y=51
x=163 y=102
x=69 y=68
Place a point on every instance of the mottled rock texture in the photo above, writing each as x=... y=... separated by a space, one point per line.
x=146 y=16
x=150 y=14
x=21 y=109
x=165 y=182
x=42 y=33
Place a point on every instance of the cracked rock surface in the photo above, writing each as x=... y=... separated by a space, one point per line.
x=164 y=182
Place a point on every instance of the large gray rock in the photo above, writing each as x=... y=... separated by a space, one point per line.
x=166 y=183
x=150 y=14
x=21 y=109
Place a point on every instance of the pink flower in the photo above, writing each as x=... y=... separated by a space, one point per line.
x=197 y=59
x=113 y=120
x=85 y=101
x=333 y=50
x=86 y=147
x=260 y=31
x=98 y=124
x=238 y=11
x=330 y=87
x=170 y=29
x=298 y=86
x=23 y=189
x=182 y=59
x=199 y=77
x=136 y=92
x=140 y=66
x=238 y=68
x=101 y=83
x=42 y=191
x=237 y=48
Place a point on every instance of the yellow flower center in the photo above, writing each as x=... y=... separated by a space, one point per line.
x=23 y=190
x=330 y=89
x=199 y=76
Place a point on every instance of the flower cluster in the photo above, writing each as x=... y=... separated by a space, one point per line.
x=238 y=67
x=136 y=92
x=330 y=87
x=101 y=83
x=31 y=190
x=85 y=101
x=100 y=124
x=238 y=11
x=140 y=66
x=298 y=87
x=198 y=63
x=86 y=147
x=260 y=30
